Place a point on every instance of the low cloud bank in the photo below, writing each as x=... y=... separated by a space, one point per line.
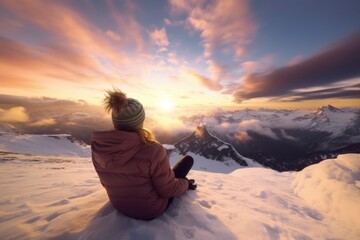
x=50 y=115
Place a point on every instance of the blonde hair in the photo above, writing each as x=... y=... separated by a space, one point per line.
x=115 y=100
x=146 y=136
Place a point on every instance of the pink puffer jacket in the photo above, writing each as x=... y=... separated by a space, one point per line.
x=137 y=176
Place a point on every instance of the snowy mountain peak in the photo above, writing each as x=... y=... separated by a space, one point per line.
x=331 y=119
x=326 y=109
x=202 y=131
x=203 y=143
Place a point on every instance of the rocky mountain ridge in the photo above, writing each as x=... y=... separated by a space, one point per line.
x=203 y=143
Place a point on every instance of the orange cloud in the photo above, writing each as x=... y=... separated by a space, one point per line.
x=223 y=25
x=76 y=51
x=15 y=114
x=43 y=122
x=159 y=37
x=212 y=85
x=131 y=31
x=114 y=36
x=56 y=18
x=72 y=60
x=217 y=70
x=28 y=66
x=263 y=64
x=242 y=136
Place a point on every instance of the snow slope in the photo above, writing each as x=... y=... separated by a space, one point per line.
x=60 y=197
x=43 y=144
x=333 y=187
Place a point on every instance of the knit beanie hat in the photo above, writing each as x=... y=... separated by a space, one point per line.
x=131 y=116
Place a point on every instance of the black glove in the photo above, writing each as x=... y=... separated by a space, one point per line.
x=192 y=185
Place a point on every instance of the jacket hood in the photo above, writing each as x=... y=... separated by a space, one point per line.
x=114 y=147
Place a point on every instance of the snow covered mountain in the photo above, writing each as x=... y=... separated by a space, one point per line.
x=41 y=144
x=330 y=119
x=326 y=118
x=201 y=142
x=287 y=139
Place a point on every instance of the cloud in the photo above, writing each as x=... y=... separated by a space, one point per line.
x=338 y=63
x=34 y=104
x=286 y=136
x=242 y=130
x=178 y=6
x=33 y=65
x=159 y=37
x=58 y=19
x=261 y=65
x=43 y=122
x=345 y=92
x=172 y=58
x=217 y=70
x=73 y=48
x=14 y=114
x=204 y=81
x=45 y=110
x=114 y=36
x=28 y=66
x=223 y=25
x=166 y=123
x=51 y=115
x=242 y=136
x=258 y=127
x=128 y=27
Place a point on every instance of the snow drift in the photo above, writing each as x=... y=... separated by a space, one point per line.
x=333 y=187
x=60 y=197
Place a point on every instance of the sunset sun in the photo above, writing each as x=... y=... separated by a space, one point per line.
x=166 y=105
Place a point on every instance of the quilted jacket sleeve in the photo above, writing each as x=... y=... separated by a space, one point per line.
x=163 y=177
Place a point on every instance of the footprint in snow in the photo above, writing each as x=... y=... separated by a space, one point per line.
x=313 y=214
x=189 y=232
x=59 y=203
x=81 y=194
x=53 y=216
x=32 y=220
x=204 y=203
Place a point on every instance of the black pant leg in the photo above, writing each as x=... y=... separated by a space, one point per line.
x=182 y=167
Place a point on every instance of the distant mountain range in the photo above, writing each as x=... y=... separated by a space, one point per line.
x=284 y=140
x=280 y=139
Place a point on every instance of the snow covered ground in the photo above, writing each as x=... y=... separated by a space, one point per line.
x=60 y=197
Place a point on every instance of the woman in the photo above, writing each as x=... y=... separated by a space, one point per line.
x=132 y=166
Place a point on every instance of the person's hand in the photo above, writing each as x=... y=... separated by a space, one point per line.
x=192 y=185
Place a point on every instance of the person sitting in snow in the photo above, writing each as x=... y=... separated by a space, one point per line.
x=132 y=166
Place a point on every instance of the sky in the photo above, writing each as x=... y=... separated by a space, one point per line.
x=177 y=57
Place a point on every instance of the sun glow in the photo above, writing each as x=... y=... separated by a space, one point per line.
x=166 y=105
